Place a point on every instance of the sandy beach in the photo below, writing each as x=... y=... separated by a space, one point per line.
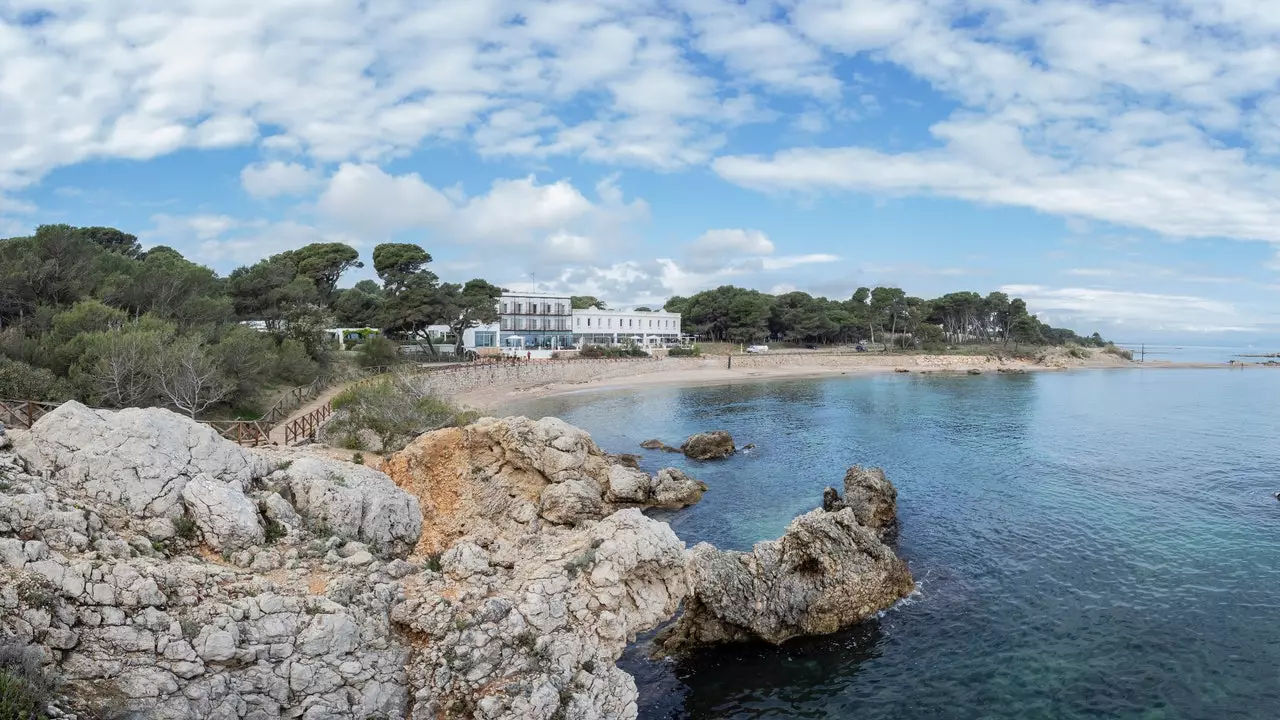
x=794 y=366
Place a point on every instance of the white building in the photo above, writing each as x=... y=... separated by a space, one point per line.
x=616 y=327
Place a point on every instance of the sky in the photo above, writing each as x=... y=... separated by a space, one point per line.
x=1116 y=164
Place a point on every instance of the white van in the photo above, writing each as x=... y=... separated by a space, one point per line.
x=758 y=349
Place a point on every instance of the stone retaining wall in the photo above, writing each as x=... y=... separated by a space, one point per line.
x=852 y=360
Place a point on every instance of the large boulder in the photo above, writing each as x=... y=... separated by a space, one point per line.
x=136 y=461
x=714 y=445
x=873 y=499
x=826 y=572
x=504 y=477
x=351 y=501
x=672 y=488
x=227 y=518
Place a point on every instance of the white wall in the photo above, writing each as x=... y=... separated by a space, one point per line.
x=627 y=324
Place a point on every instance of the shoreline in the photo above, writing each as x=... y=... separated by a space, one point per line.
x=491 y=398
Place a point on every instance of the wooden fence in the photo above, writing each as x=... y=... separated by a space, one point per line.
x=24 y=413
x=304 y=427
x=243 y=432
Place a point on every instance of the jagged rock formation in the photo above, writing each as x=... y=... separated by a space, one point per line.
x=656 y=444
x=714 y=445
x=159 y=569
x=829 y=570
x=531 y=627
x=506 y=477
x=146 y=561
x=873 y=499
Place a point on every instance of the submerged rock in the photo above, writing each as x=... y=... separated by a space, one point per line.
x=714 y=445
x=658 y=445
x=829 y=570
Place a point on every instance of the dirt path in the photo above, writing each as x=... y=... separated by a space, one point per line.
x=277 y=433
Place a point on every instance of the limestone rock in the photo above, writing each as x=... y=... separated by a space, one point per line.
x=352 y=501
x=496 y=477
x=228 y=520
x=672 y=488
x=539 y=640
x=572 y=502
x=627 y=485
x=873 y=499
x=826 y=572
x=714 y=445
x=134 y=462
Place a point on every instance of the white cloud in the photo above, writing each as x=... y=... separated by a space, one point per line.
x=1130 y=113
x=364 y=198
x=276 y=178
x=1136 y=311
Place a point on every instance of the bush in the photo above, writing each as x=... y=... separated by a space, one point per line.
x=20 y=381
x=25 y=690
x=1078 y=352
x=394 y=409
x=603 y=351
x=378 y=351
x=1112 y=349
x=294 y=364
x=693 y=351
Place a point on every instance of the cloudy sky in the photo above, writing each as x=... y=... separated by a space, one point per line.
x=1117 y=163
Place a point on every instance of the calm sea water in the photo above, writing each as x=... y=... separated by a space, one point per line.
x=1087 y=544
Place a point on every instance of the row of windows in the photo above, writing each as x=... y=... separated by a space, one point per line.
x=533 y=308
x=631 y=322
x=533 y=323
x=486 y=338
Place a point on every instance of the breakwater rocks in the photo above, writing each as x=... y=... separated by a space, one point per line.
x=497 y=572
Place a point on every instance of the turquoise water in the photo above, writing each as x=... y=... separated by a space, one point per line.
x=1087 y=545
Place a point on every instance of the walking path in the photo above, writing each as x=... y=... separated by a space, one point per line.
x=276 y=435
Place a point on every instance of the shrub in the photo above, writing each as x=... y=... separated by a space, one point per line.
x=1113 y=349
x=185 y=528
x=294 y=364
x=602 y=351
x=25 y=690
x=1078 y=352
x=693 y=351
x=358 y=458
x=376 y=351
x=20 y=381
x=395 y=409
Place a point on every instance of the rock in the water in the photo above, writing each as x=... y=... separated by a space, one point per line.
x=826 y=572
x=630 y=460
x=873 y=499
x=672 y=488
x=714 y=445
x=228 y=520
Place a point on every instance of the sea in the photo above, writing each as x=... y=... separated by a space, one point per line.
x=1086 y=544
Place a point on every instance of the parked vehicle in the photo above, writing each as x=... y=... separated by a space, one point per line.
x=754 y=349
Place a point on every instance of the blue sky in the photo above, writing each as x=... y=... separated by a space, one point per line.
x=1113 y=163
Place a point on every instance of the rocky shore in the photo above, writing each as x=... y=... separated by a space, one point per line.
x=494 y=571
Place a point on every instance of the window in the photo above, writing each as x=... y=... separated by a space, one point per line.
x=486 y=339
x=517 y=308
x=578 y=322
x=504 y=308
x=610 y=322
x=588 y=322
x=650 y=323
x=560 y=309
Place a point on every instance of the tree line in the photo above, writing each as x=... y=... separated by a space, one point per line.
x=86 y=313
x=878 y=315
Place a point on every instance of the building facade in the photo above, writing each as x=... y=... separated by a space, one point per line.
x=616 y=327
x=535 y=321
